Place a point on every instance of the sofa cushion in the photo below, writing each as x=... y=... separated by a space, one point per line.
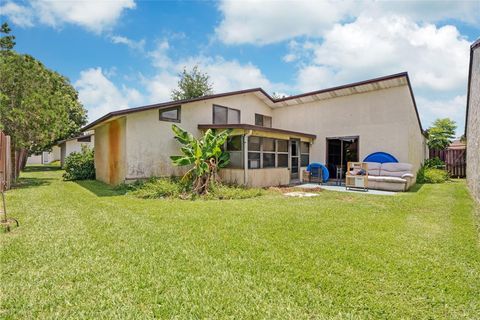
x=374 y=168
x=386 y=179
x=395 y=169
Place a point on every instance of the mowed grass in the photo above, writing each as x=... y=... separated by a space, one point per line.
x=86 y=251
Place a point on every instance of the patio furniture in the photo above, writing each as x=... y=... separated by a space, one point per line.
x=357 y=176
x=339 y=175
x=390 y=176
x=317 y=172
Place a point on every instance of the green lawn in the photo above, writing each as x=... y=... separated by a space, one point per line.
x=85 y=251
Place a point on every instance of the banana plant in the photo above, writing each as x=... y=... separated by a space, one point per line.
x=204 y=155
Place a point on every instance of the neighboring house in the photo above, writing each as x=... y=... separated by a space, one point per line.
x=457 y=144
x=273 y=139
x=75 y=144
x=45 y=157
x=472 y=121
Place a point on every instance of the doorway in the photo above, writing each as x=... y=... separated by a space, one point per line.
x=294 y=159
x=341 y=150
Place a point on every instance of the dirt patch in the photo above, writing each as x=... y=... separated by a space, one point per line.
x=288 y=189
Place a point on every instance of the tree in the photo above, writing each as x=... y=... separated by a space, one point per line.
x=192 y=84
x=441 y=134
x=37 y=106
x=277 y=95
x=6 y=42
x=205 y=155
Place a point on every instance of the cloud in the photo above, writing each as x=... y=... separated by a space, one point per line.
x=436 y=58
x=20 y=15
x=101 y=96
x=159 y=56
x=265 y=22
x=454 y=108
x=132 y=44
x=93 y=15
x=226 y=75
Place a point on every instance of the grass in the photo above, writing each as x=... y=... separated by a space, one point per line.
x=84 y=250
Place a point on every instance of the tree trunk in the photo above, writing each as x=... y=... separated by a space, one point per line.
x=23 y=158
x=13 y=162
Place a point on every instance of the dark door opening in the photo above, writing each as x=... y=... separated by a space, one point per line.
x=340 y=151
x=294 y=159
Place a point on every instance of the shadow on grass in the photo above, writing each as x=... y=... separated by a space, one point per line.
x=40 y=168
x=24 y=183
x=100 y=189
x=416 y=188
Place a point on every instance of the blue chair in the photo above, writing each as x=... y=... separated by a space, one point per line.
x=317 y=172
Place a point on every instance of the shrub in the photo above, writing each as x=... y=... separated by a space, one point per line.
x=432 y=175
x=80 y=165
x=156 y=188
x=434 y=163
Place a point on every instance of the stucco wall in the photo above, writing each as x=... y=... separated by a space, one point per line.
x=70 y=146
x=257 y=177
x=45 y=157
x=150 y=141
x=110 y=152
x=384 y=120
x=473 y=127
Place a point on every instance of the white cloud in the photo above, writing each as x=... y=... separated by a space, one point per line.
x=132 y=44
x=100 y=95
x=159 y=56
x=226 y=75
x=436 y=58
x=94 y=15
x=450 y=108
x=264 y=22
x=20 y=15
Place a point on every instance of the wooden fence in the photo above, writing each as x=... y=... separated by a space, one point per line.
x=455 y=161
x=5 y=162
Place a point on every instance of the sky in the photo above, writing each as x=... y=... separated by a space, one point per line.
x=127 y=53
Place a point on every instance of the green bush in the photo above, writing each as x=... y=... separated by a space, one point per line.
x=79 y=165
x=434 y=163
x=432 y=175
x=156 y=188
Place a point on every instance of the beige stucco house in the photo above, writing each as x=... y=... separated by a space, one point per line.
x=472 y=123
x=273 y=139
x=75 y=144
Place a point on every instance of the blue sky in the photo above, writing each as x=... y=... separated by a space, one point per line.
x=127 y=53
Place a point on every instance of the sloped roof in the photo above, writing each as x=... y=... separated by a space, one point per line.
x=385 y=82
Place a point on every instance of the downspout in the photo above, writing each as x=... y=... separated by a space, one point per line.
x=245 y=157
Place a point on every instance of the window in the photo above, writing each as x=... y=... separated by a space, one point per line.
x=304 y=154
x=267 y=153
x=234 y=148
x=170 y=114
x=224 y=115
x=263 y=121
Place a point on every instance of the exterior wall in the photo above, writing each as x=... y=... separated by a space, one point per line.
x=257 y=177
x=150 y=141
x=110 y=152
x=385 y=120
x=45 y=157
x=473 y=127
x=73 y=145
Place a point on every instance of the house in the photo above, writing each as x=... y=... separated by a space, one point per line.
x=45 y=157
x=472 y=121
x=457 y=144
x=75 y=144
x=272 y=139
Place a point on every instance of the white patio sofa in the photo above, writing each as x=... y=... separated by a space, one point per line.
x=390 y=176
